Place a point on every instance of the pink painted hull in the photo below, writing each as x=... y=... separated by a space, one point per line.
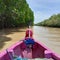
x=38 y=51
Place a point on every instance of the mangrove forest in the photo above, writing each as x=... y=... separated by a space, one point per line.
x=53 y=21
x=15 y=13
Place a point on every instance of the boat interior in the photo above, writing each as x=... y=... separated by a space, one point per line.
x=20 y=50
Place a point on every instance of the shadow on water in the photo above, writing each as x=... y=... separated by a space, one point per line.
x=4 y=38
x=11 y=31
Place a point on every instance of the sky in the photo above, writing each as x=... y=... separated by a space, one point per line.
x=43 y=9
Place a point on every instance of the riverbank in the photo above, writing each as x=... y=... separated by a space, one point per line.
x=53 y=21
x=10 y=36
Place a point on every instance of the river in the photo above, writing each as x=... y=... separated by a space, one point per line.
x=50 y=37
x=47 y=35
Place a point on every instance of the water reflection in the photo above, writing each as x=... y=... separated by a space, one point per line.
x=48 y=36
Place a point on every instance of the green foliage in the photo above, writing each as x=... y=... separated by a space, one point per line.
x=15 y=13
x=53 y=21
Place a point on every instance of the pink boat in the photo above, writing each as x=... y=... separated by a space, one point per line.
x=19 y=49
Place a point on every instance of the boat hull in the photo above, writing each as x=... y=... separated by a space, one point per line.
x=38 y=51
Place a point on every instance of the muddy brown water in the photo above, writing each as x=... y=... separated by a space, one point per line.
x=9 y=37
x=50 y=37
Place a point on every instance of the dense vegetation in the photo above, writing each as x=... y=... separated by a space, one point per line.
x=53 y=21
x=15 y=13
